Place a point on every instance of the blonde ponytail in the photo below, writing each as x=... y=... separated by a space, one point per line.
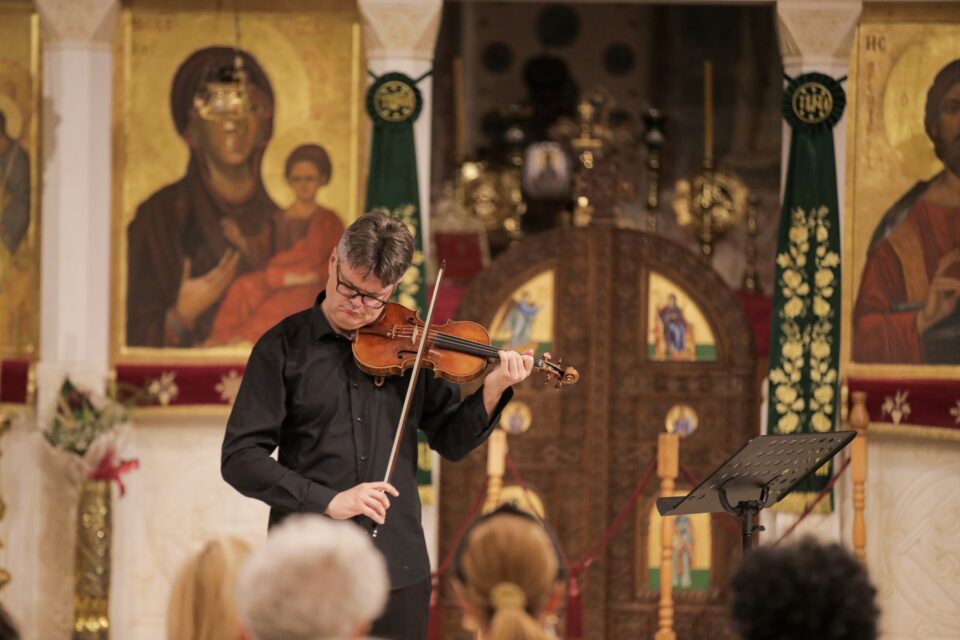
x=508 y=570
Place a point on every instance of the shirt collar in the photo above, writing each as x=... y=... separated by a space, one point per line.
x=320 y=322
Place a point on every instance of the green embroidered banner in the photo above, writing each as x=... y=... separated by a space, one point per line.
x=805 y=336
x=394 y=103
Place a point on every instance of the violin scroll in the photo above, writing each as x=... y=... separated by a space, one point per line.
x=555 y=373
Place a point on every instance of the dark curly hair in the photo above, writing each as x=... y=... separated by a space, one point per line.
x=804 y=591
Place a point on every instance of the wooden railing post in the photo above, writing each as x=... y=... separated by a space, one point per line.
x=859 y=420
x=668 y=465
x=496 y=461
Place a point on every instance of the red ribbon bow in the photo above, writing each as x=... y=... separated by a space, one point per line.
x=110 y=468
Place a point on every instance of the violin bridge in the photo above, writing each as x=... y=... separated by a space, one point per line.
x=413 y=340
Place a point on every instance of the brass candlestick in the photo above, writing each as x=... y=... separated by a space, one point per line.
x=654 y=139
x=711 y=201
x=751 y=279
x=4 y=427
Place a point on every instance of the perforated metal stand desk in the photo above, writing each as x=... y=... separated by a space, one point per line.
x=758 y=476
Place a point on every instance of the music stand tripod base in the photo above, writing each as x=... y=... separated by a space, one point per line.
x=759 y=475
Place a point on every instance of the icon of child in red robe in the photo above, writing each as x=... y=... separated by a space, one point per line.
x=304 y=236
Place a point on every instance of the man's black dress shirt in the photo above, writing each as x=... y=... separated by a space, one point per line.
x=303 y=393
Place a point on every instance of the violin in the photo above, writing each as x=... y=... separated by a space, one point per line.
x=458 y=351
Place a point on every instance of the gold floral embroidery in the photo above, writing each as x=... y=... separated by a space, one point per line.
x=164 y=388
x=409 y=287
x=810 y=344
x=229 y=386
x=896 y=406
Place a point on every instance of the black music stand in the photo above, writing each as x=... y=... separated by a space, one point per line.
x=757 y=476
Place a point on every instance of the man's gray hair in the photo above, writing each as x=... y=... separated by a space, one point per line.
x=378 y=244
x=313 y=579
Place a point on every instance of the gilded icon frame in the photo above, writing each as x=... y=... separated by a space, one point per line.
x=286 y=39
x=896 y=53
x=20 y=101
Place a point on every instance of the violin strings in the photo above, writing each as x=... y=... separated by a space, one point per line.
x=437 y=336
x=452 y=340
x=463 y=342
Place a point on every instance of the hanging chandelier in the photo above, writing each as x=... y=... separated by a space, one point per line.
x=224 y=96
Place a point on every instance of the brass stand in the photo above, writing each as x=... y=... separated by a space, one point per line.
x=91 y=592
x=668 y=467
x=654 y=140
x=4 y=427
x=751 y=279
x=711 y=201
x=496 y=463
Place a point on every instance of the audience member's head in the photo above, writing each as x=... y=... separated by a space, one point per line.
x=802 y=591
x=509 y=575
x=314 y=579
x=202 y=599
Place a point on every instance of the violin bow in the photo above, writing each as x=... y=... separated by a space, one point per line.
x=415 y=372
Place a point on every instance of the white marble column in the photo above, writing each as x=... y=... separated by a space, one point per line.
x=77 y=37
x=74 y=303
x=401 y=35
x=817 y=37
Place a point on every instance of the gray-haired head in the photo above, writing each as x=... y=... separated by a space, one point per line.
x=379 y=245
x=313 y=579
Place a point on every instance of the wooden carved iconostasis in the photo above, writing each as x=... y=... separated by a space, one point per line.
x=659 y=340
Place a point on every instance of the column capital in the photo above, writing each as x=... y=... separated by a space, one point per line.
x=400 y=29
x=78 y=21
x=816 y=34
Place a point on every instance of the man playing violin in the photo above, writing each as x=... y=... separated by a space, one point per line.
x=333 y=425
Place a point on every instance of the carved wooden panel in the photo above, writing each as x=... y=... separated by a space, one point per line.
x=590 y=443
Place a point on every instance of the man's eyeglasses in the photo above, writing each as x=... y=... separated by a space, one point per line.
x=349 y=291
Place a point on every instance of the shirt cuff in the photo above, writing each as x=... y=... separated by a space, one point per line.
x=318 y=498
x=490 y=421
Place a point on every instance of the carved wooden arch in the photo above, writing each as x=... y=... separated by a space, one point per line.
x=590 y=443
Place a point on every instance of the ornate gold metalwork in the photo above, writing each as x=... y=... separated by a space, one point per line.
x=709 y=203
x=91 y=592
x=812 y=102
x=225 y=99
x=395 y=101
x=654 y=140
x=751 y=279
x=602 y=152
x=493 y=197
x=589 y=143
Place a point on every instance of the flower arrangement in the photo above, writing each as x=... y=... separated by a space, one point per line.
x=93 y=428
